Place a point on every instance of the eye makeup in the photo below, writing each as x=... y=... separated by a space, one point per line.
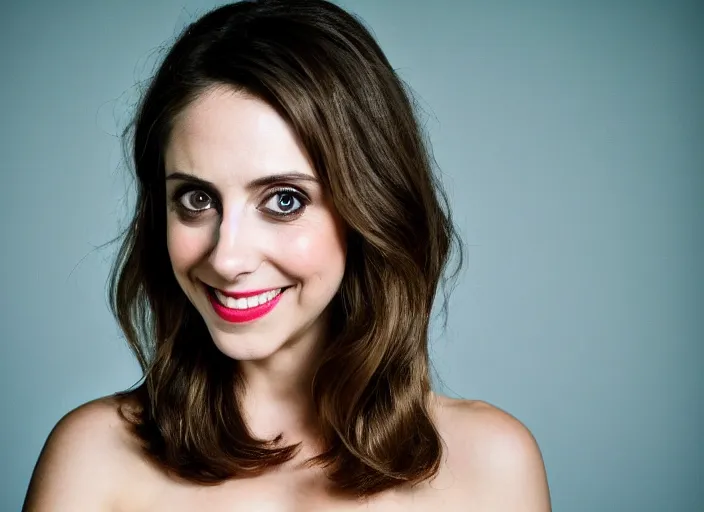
x=290 y=205
x=186 y=192
x=294 y=196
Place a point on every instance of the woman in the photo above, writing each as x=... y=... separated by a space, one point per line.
x=276 y=285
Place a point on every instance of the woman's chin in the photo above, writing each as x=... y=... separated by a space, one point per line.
x=244 y=347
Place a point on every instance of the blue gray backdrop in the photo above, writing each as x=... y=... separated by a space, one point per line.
x=571 y=137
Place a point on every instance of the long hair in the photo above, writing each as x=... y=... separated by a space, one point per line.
x=323 y=72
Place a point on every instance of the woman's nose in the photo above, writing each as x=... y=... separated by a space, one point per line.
x=235 y=248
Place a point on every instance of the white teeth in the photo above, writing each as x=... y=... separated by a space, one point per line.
x=247 y=303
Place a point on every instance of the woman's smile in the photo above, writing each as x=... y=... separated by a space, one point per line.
x=245 y=306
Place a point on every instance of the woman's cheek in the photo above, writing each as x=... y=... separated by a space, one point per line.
x=314 y=251
x=185 y=245
x=301 y=250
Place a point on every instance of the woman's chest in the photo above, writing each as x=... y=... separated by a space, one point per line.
x=281 y=491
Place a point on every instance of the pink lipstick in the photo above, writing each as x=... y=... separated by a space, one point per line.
x=247 y=306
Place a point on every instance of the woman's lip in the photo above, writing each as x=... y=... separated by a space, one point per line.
x=247 y=293
x=243 y=315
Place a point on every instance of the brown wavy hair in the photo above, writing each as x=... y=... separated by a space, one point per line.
x=323 y=72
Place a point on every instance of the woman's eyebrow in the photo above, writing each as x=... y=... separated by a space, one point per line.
x=257 y=183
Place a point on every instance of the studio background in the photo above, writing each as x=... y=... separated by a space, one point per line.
x=571 y=138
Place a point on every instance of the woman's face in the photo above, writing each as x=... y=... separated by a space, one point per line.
x=254 y=243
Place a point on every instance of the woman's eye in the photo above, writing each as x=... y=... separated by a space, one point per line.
x=284 y=203
x=196 y=200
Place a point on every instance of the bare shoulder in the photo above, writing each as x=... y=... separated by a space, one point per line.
x=84 y=460
x=492 y=456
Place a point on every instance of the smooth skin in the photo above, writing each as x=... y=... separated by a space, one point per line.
x=234 y=223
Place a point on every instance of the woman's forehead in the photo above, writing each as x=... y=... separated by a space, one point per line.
x=224 y=133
